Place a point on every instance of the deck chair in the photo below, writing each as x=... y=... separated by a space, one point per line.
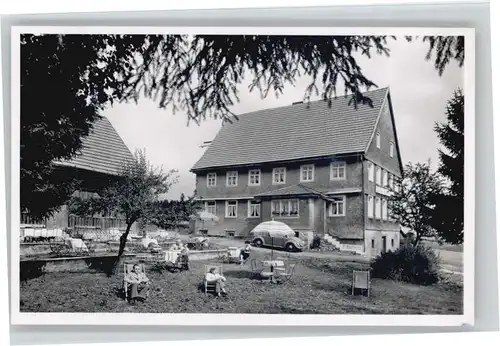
x=286 y=275
x=127 y=267
x=211 y=287
x=361 y=281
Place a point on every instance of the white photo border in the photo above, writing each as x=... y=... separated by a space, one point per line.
x=24 y=318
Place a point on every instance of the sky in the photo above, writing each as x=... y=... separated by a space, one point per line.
x=419 y=96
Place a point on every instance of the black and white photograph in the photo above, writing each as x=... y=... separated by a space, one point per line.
x=213 y=175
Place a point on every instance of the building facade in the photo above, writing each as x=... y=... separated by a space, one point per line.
x=329 y=170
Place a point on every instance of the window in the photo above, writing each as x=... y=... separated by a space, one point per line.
x=377 y=207
x=337 y=170
x=371 y=172
x=279 y=175
x=232 y=178
x=377 y=136
x=392 y=242
x=211 y=179
x=370 y=207
x=285 y=208
x=253 y=209
x=230 y=232
x=391 y=149
x=210 y=207
x=306 y=173
x=379 y=176
x=231 y=209
x=254 y=177
x=384 y=209
x=385 y=179
x=337 y=206
x=391 y=181
x=373 y=243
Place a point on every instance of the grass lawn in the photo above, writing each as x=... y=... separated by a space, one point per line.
x=319 y=286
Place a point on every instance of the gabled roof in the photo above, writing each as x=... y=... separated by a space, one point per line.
x=295 y=132
x=102 y=151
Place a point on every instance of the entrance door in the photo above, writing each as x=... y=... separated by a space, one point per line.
x=384 y=243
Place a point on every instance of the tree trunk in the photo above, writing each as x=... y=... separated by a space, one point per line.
x=123 y=240
x=417 y=239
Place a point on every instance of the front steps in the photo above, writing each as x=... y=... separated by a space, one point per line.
x=358 y=249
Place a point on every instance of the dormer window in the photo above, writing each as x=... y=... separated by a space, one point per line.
x=377 y=138
x=211 y=179
x=279 y=175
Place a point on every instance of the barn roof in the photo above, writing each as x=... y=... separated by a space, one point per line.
x=103 y=150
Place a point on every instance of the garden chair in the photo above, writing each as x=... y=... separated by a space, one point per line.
x=260 y=272
x=127 y=268
x=286 y=275
x=361 y=281
x=211 y=287
x=181 y=263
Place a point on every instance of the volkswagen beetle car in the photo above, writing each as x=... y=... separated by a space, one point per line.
x=276 y=235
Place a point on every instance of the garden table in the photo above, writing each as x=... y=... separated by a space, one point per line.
x=274 y=264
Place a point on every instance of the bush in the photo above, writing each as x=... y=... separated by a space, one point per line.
x=414 y=264
x=316 y=242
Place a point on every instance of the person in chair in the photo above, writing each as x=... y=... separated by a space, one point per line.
x=219 y=280
x=245 y=252
x=138 y=282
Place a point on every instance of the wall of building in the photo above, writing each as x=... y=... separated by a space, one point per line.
x=349 y=226
x=381 y=157
x=321 y=179
x=374 y=248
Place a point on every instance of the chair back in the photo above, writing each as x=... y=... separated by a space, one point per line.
x=361 y=279
x=255 y=267
x=218 y=268
x=127 y=267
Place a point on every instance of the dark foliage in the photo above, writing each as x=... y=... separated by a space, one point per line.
x=31 y=269
x=448 y=218
x=445 y=49
x=316 y=242
x=170 y=213
x=414 y=264
x=413 y=203
x=67 y=80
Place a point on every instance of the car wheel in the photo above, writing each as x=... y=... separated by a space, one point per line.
x=290 y=247
x=258 y=242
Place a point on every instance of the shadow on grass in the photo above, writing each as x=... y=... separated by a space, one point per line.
x=239 y=274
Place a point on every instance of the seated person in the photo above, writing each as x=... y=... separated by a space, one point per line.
x=219 y=280
x=245 y=252
x=138 y=282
